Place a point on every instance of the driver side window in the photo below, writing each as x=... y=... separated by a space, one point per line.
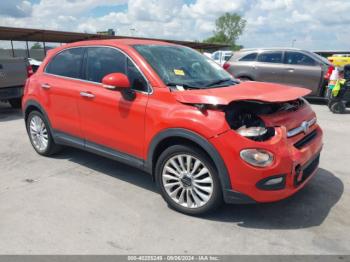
x=101 y=61
x=137 y=81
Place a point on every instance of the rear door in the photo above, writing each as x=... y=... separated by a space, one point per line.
x=302 y=70
x=60 y=85
x=269 y=67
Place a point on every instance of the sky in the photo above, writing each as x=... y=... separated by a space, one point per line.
x=313 y=24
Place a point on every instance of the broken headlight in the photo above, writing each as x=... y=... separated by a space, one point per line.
x=252 y=131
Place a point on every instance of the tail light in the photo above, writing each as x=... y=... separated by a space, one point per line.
x=226 y=65
x=30 y=71
x=329 y=72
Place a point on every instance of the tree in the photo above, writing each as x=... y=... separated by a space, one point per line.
x=229 y=27
x=37 y=45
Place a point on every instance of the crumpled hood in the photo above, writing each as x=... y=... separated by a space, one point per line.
x=257 y=91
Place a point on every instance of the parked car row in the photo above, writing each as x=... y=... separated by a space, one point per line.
x=286 y=66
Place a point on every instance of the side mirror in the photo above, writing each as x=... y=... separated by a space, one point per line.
x=116 y=80
x=119 y=81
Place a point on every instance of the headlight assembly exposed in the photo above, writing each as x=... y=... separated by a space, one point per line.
x=253 y=131
x=257 y=157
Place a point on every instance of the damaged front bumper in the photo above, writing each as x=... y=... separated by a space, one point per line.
x=295 y=162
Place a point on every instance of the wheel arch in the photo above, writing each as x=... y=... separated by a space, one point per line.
x=176 y=136
x=33 y=105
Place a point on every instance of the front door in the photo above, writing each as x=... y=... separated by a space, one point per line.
x=108 y=119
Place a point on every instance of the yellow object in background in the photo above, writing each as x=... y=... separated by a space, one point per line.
x=337 y=87
x=339 y=60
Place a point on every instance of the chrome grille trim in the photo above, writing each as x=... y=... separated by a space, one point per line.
x=303 y=128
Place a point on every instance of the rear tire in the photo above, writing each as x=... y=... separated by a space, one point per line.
x=40 y=135
x=16 y=103
x=190 y=185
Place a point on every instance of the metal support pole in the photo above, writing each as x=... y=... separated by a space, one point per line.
x=13 y=51
x=28 y=53
x=44 y=48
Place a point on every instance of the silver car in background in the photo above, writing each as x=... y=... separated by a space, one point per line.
x=286 y=66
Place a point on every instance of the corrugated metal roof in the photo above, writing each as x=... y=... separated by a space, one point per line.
x=40 y=35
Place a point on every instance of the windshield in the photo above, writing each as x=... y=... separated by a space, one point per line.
x=183 y=67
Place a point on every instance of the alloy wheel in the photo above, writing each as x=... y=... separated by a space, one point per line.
x=187 y=181
x=38 y=133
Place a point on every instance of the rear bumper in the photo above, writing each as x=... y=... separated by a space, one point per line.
x=295 y=165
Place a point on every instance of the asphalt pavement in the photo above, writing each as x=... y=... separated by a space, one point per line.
x=80 y=203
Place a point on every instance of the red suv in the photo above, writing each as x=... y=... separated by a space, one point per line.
x=166 y=109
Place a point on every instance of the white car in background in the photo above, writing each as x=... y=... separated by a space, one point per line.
x=221 y=57
x=34 y=63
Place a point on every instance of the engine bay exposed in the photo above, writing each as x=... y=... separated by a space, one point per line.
x=243 y=117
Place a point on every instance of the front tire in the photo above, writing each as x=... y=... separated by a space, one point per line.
x=188 y=180
x=40 y=134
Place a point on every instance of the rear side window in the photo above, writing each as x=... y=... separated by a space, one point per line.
x=296 y=58
x=102 y=61
x=270 y=57
x=67 y=63
x=250 y=57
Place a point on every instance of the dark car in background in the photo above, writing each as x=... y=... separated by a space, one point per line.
x=287 y=66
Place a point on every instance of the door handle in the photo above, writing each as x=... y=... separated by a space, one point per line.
x=290 y=70
x=87 y=94
x=46 y=86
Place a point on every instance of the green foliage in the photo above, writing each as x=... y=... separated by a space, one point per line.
x=37 y=45
x=229 y=27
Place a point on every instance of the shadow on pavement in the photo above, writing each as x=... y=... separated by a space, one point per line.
x=7 y=113
x=109 y=167
x=307 y=208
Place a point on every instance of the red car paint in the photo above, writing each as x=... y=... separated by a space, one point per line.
x=130 y=126
x=258 y=91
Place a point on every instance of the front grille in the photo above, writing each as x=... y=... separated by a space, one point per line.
x=307 y=171
x=306 y=140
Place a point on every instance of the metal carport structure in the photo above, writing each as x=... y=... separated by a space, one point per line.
x=41 y=35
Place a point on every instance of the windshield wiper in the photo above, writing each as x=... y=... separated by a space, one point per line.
x=217 y=82
x=181 y=85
